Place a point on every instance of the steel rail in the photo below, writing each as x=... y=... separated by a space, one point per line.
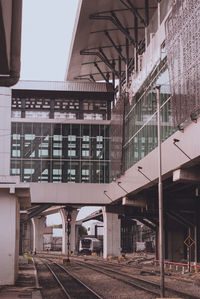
x=138 y=280
x=58 y=281
x=74 y=277
x=105 y=271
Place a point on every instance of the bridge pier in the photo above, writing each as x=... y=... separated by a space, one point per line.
x=38 y=230
x=9 y=236
x=27 y=236
x=112 y=234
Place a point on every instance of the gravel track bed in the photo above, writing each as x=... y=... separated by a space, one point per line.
x=106 y=286
x=49 y=287
x=174 y=281
x=187 y=283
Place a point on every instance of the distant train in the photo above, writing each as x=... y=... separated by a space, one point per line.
x=89 y=245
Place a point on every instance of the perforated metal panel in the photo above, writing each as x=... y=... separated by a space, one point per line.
x=117 y=138
x=183 y=52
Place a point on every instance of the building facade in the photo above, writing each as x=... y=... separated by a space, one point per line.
x=142 y=45
x=79 y=132
x=60 y=135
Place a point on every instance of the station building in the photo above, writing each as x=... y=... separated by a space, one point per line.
x=103 y=150
x=143 y=45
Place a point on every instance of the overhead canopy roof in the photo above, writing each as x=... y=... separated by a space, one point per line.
x=99 y=22
x=10 y=41
x=63 y=89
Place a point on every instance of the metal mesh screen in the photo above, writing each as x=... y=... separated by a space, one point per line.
x=116 y=138
x=183 y=54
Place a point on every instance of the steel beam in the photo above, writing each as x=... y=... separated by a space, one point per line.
x=183 y=219
x=147 y=11
x=115 y=21
x=136 y=42
x=113 y=74
x=102 y=57
x=115 y=46
x=120 y=76
x=92 y=78
x=100 y=71
x=146 y=223
x=108 y=76
x=115 y=29
x=127 y=61
x=122 y=29
x=37 y=211
x=107 y=62
x=133 y=10
x=176 y=219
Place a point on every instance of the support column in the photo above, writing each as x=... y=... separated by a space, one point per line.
x=38 y=229
x=197 y=228
x=112 y=234
x=27 y=236
x=175 y=243
x=5 y=130
x=72 y=240
x=9 y=236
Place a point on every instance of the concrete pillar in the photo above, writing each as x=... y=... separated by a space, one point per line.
x=27 y=236
x=198 y=229
x=112 y=234
x=9 y=236
x=5 y=130
x=77 y=238
x=176 y=244
x=72 y=240
x=38 y=230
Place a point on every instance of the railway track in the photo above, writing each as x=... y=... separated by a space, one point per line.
x=133 y=280
x=142 y=284
x=72 y=287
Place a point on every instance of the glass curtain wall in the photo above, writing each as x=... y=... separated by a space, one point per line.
x=140 y=136
x=48 y=152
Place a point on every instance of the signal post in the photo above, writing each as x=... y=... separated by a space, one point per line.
x=68 y=235
x=68 y=217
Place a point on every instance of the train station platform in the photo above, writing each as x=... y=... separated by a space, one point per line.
x=26 y=285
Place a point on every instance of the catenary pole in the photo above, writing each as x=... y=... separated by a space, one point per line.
x=160 y=198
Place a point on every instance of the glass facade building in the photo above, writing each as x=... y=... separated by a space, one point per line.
x=140 y=121
x=60 y=140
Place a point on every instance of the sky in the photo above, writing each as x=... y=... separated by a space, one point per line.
x=47 y=27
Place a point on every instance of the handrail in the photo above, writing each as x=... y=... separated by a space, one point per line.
x=177 y=264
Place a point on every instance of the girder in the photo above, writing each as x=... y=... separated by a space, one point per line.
x=115 y=46
x=102 y=57
x=113 y=18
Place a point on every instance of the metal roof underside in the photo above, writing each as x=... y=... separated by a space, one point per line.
x=63 y=86
x=99 y=26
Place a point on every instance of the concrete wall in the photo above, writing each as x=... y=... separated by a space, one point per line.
x=9 y=236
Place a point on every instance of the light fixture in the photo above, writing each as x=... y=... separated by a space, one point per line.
x=118 y=183
x=175 y=140
x=175 y=143
x=139 y=169
x=105 y=193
